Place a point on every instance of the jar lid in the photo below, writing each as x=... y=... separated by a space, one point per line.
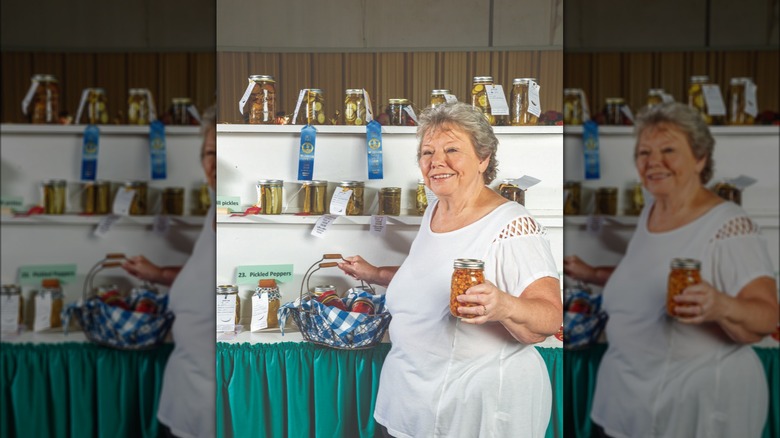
x=571 y=91
x=137 y=91
x=50 y=283
x=354 y=91
x=98 y=90
x=421 y=181
x=725 y=185
x=261 y=78
x=173 y=190
x=319 y=290
x=390 y=190
x=181 y=100
x=351 y=183
x=469 y=264
x=700 y=79
x=135 y=183
x=398 y=101
x=614 y=100
x=316 y=182
x=314 y=90
x=269 y=182
x=56 y=182
x=225 y=289
x=607 y=190
x=10 y=289
x=483 y=78
x=685 y=263
x=516 y=81
x=572 y=184
x=44 y=78
x=655 y=91
x=440 y=91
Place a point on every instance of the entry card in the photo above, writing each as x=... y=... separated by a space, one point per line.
x=338 y=203
x=497 y=99
x=378 y=225
x=43 y=305
x=32 y=275
x=251 y=274
x=226 y=312
x=9 y=318
x=322 y=225
x=714 y=100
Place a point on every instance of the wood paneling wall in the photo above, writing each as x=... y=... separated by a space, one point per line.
x=630 y=75
x=167 y=75
x=385 y=75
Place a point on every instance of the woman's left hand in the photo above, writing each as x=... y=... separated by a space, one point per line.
x=701 y=303
x=489 y=303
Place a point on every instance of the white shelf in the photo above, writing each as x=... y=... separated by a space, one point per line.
x=764 y=219
x=74 y=219
x=715 y=130
x=21 y=128
x=344 y=129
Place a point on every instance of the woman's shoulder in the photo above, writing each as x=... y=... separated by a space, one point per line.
x=731 y=220
x=514 y=220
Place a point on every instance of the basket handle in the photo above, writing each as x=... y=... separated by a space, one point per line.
x=332 y=256
x=112 y=260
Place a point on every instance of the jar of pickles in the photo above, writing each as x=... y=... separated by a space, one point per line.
x=522 y=107
x=606 y=201
x=55 y=195
x=314 y=195
x=95 y=106
x=355 y=203
x=138 y=107
x=269 y=196
x=390 y=201
x=571 y=198
x=260 y=107
x=313 y=103
x=479 y=98
x=44 y=97
x=48 y=305
x=439 y=97
x=572 y=107
x=397 y=110
x=173 y=201
x=740 y=91
x=613 y=111
x=138 y=206
x=684 y=272
x=510 y=191
x=96 y=197
x=729 y=192
x=180 y=111
x=228 y=307
x=696 y=96
x=421 y=201
x=11 y=296
x=636 y=198
x=466 y=273
x=655 y=96
x=354 y=107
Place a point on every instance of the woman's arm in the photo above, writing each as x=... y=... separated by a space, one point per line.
x=360 y=269
x=141 y=268
x=577 y=269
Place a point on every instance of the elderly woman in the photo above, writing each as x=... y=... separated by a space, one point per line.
x=478 y=376
x=692 y=375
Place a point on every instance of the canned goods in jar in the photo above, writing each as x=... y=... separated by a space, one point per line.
x=606 y=201
x=201 y=198
x=180 y=114
x=55 y=195
x=139 y=106
x=738 y=96
x=262 y=101
x=479 y=98
x=138 y=206
x=363 y=305
x=269 y=196
x=232 y=316
x=314 y=195
x=354 y=107
x=512 y=192
x=173 y=201
x=655 y=96
x=521 y=102
x=317 y=291
x=50 y=287
x=728 y=192
x=313 y=111
x=466 y=273
x=88 y=197
x=355 y=203
x=390 y=201
x=10 y=292
x=614 y=110
x=572 y=107
x=683 y=273
x=439 y=97
x=330 y=298
x=95 y=105
x=696 y=96
x=396 y=109
x=421 y=201
x=571 y=198
x=44 y=97
x=637 y=198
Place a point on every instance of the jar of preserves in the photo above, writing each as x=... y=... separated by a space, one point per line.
x=354 y=107
x=180 y=111
x=331 y=299
x=738 y=96
x=355 y=203
x=317 y=291
x=89 y=197
x=173 y=201
x=44 y=98
x=521 y=103
x=421 y=201
x=439 y=97
x=684 y=272
x=267 y=290
x=95 y=106
x=606 y=201
x=729 y=192
x=260 y=108
x=314 y=195
x=362 y=305
x=11 y=294
x=572 y=106
x=228 y=307
x=396 y=109
x=696 y=96
x=613 y=111
x=390 y=201
x=655 y=96
x=466 y=273
x=571 y=198
x=511 y=191
x=269 y=196
x=479 y=98
x=201 y=199
x=313 y=111
x=637 y=198
x=138 y=206
x=55 y=195
x=50 y=292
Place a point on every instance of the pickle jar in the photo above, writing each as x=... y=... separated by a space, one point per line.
x=96 y=197
x=390 y=201
x=421 y=201
x=511 y=191
x=397 y=110
x=683 y=272
x=55 y=195
x=738 y=96
x=572 y=106
x=466 y=273
x=479 y=98
x=44 y=97
x=606 y=201
x=50 y=290
x=201 y=200
x=314 y=195
x=138 y=107
x=228 y=314
x=173 y=201
x=180 y=114
x=269 y=196
x=138 y=206
x=571 y=198
x=613 y=110
x=260 y=108
x=95 y=107
x=729 y=192
x=10 y=293
x=696 y=96
x=354 y=107
x=521 y=103
x=655 y=96
x=636 y=199
x=313 y=107
x=439 y=97
x=355 y=203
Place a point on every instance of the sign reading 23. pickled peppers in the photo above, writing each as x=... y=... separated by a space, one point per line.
x=306 y=153
x=157 y=152
x=89 y=153
x=374 y=149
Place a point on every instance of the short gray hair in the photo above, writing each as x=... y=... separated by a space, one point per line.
x=688 y=121
x=472 y=122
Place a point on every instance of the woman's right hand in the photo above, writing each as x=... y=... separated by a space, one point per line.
x=359 y=269
x=141 y=268
x=577 y=269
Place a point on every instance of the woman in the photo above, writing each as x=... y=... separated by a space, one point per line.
x=187 y=399
x=452 y=377
x=692 y=375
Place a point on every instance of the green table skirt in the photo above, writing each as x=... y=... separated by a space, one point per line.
x=79 y=390
x=581 y=367
x=300 y=389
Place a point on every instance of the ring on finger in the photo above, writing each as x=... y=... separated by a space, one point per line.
x=484 y=310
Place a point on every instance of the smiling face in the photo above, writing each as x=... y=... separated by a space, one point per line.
x=449 y=163
x=666 y=163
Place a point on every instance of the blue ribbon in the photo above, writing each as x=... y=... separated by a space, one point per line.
x=89 y=153
x=590 y=147
x=157 y=152
x=374 y=150
x=306 y=153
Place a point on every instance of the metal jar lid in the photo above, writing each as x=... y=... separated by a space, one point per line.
x=56 y=182
x=181 y=100
x=10 y=289
x=44 y=78
x=441 y=91
x=173 y=190
x=398 y=101
x=483 y=79
x=227 y=289
x=614 y=100
x=315 y=91
x=316 y=183
x=390 y=190
x=685 y=263
x=270 y=182
x=607 y=190
x=354 y=91
x=261 y=78
x=517 y=81
x=135 y=183
x=700 y=79
x=570 y=91
x=468 y=264
x=351 y=183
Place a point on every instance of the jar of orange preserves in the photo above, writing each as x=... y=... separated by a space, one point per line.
x=467 y=273
x=684 y=272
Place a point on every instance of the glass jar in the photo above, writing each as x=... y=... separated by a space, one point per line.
x=655 y=96
x=683 y=273
x=421 y=201
x=355 y=203
x=362 y=305
x=96 y=197
x=606 y=201
x=439 y=97
x=313 y=111
x=512 y=192
x=396 y=109
x=354 y=107
x=55 y=195
x=728 y=192
x=519 y=114
x=269 y=196
x=138 y=206
x=613 y=111
x=96 y=110
x=466 y=273
x=390 y=201
x=50 y=288
x=228 y=315
x=173 y=201
x=138 y=107
x=571 y=198
x=201 y=199
x=317 y=291
x=180 y=114
x=737 y=99
x=9 y=293
x=269 y=288
x=45 y=99
x=479 y=98
x=637 y=198
x=572 y=106
x=260 y=108
x=696 y=96
x=314 y=195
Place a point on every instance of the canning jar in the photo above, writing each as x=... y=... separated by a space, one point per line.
x=50 y=289
x=684 y=272
x=138 y=206
x=269 y=196
x=354 y=107
x=614 y=110
x=96 y=197
x=521 y=103
x=173 y=201
x=267 y=288
x=572 y=106
x=466 y=273
x=421 y=201
x=96 y=110
x=362 y=305
x=738 y=89
x=479 y=98
x=571 y=198
x=180 y=114
x=696 y=96
x=606 y=201
x=314 y=195
x=637 y=198
x=201 y=199
x=511 y=191
x=396 y=109
x=138 y=106
x=313 y=111
x=317 y=291
x=729 y=192
x=655 y=96
x=262 y=100
x=331 y=299
x=390 y=201
x=45 y=99
x=355 y=203
x=228 y=314
x=439 y=97
x=55 y=195
x=10 y=292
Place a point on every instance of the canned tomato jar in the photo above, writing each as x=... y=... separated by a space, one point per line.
x=683 y=272
x=466 y=273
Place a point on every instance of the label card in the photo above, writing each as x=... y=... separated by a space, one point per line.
x=32 y=275
x=298 y=106
x=751 y=107
x=714 y=100
x=743 y=181
x=411 y=113
x=594 y=225
x=15 y=203
x=534 y=103
x=450 y=98
x=226 y=312
x=497 y=99
x=232 y=203
x=122 y=200
x=338 y=203
x=245 y=97
x=105 y=225
x=322 y=225
x=161 y=225
x=250 y=274
x=627 y=112
x=42 y=313
x=429 y=195
x=9 y=318
x=378 y=225
x=259 y=312
x=525 y=182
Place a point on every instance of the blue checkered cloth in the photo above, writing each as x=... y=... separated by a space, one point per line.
x=335 y=327
x=583 y=330
x=119 y=328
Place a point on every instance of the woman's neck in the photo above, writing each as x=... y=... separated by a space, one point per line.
x=678 y=209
